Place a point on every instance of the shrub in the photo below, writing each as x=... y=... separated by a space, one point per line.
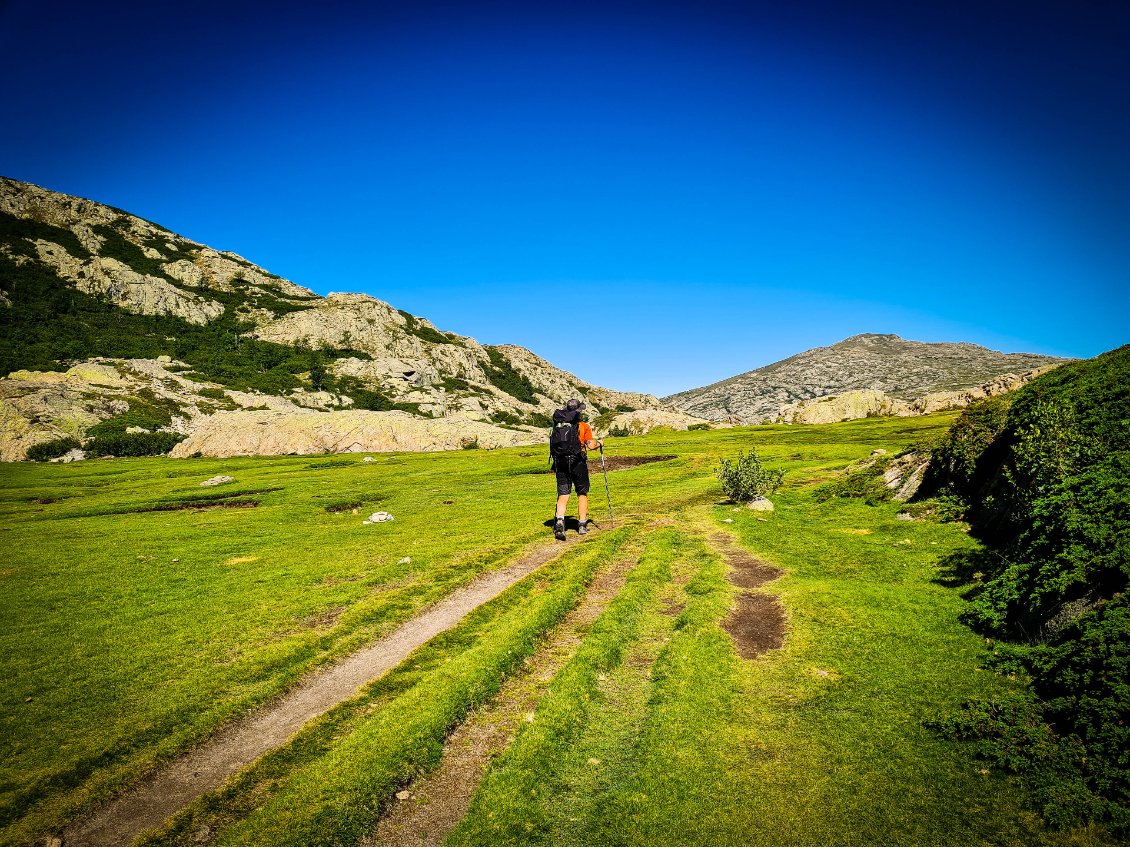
x=470 y=443
x=695 y=426
x=1049 y=494
x=47 y=450
x=133 y=444
x=619 y=432
x=746 y=478
x=505 y=418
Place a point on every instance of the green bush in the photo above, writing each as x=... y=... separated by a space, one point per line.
x=133 y=444
x=423 y=331
x=744 y=479
x=1048 y=492
x=698 y=426
x=619 y=432
x=45 y=451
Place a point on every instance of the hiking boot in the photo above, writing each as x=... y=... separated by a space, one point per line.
x=583 y=528
x=559 y=529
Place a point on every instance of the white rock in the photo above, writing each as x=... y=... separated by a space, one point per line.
x=380 y=517
x=727 y=520
x=407 y=560
x=218 y=480
x=760 y=504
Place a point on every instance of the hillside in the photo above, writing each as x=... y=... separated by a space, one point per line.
x=922 y=376
x=177 y=332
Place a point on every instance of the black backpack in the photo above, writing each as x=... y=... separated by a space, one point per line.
x=564 y=438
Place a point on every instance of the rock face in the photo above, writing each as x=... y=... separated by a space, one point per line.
x=908 y=371
x=266 y=433
x=372 y=355
x=853 y=405
x=645 y=420
x=842 y=407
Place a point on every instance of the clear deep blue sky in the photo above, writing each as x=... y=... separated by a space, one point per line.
x=654 y=196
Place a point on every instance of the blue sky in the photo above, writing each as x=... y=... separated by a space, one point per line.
x=654 y=196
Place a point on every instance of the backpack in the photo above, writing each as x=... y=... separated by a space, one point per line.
x=564 y=438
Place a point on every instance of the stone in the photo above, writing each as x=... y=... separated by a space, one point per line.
x=403 y=795
x=760 y=504
x=879 y=452
x=218 y=480
x=368 y=459
x=407 y=560
x=727 y=520
x=380 y=517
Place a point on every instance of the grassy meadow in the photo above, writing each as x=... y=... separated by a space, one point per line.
x=142 y=611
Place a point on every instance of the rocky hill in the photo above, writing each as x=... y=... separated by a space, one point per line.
x=110 y=323
x=880 y=374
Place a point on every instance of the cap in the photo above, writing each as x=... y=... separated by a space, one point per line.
x=574 y=404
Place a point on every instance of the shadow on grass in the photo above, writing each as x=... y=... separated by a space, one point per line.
x=964 y=568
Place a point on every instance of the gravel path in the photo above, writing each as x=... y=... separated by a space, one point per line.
x=150 y=804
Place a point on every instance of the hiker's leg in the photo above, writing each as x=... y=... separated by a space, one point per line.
x=562 y=505
x=582 y=507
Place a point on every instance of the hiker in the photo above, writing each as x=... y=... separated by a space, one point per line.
x=569 y=443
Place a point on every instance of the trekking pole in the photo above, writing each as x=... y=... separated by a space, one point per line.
x=604 y=470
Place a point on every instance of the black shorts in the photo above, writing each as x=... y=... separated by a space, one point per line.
x=572 y=471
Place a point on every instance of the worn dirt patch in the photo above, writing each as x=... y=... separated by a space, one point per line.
x=756 y=625
x=616 y=463
x=426 y=812
x=184 y=780
x=746 y=570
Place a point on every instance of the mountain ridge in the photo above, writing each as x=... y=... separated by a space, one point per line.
x=903 y=370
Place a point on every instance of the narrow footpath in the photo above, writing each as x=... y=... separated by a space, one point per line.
x=426 y=812
x=148 y=805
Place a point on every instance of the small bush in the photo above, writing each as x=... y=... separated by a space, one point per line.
x=470 y=443
x=696 y=426
x=48 y=450
x=505 y=418
x=133 y=444
x=619 y=432
x=746 y=479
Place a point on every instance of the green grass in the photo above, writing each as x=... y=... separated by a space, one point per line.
x=328 y=786
x=130 y=636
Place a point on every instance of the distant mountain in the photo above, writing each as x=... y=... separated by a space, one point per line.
x=193 y=333
x=901 y=370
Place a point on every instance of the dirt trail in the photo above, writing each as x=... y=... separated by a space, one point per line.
x=184 y=780
x=433 y=805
